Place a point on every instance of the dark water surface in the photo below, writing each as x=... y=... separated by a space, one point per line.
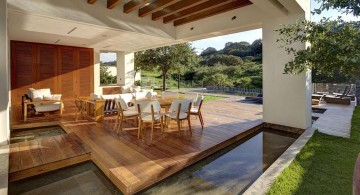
x=230 y=171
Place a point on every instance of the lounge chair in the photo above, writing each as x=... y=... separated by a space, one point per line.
x=340 y=99
x=196 y=110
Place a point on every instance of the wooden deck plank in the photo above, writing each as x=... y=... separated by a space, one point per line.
x=38 y=156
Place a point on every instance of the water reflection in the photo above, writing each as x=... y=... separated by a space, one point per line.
x=231 y=170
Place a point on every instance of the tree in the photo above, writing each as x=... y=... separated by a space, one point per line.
x=256 y=47
x=240 y=49
x=335 y=44
x=218 y=79
x=228 y=60
x=106 y=77
x=208 y=51
x=168 y=58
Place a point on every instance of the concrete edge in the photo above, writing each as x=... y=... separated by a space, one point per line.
x=4 y=169
x=265 y=181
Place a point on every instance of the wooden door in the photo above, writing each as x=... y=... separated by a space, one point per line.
x=47 y=67
x=67 y=72
x=23 y=69
x=85 y=72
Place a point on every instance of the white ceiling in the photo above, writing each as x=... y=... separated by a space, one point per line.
x=42 y=29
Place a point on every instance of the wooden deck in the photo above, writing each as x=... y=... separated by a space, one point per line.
x=38 y=156
x=132 y=164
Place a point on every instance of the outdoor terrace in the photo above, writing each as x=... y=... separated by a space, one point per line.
x=133 y=164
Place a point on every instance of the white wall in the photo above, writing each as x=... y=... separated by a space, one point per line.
x=4 y=76
x=125 y=68
x=97 y=89
x=287 y=98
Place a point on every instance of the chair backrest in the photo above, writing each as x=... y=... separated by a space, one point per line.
x=191 y=96
x=80 y=104
x=199 y=101
x=121 y=103
x=184 y=105
x=169 y=94
x=127 y=97
x=346 y=91
x=145 y=106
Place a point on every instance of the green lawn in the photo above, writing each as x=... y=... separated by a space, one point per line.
x=324 y=166
x=208 y=97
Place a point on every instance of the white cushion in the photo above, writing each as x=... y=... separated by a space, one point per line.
x=109 y=97
x=130 y=112
x=45 y=92
x=173 y=115
x=127 y=97
x=194 y=110
x=48 y=107
x=142 y=95
x=94 y=96
x=52 y=97
x=148 y=117
x=37 y=96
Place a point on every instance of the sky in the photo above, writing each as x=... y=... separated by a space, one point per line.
x=249 y=36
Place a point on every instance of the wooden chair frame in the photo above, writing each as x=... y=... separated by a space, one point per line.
x=153 y=122
x=121 y=116
x=198 y=113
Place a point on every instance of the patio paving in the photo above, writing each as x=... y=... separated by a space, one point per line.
x=336 y=120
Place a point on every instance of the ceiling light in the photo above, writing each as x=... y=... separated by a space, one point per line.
x=233 y=18
x=104 y=35
x=107 y=46
x=57 y=41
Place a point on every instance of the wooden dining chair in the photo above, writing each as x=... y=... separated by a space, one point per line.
x=180 y=111
x=124 y=113
x=81 y=109
x=149 y=113
x=196 y=110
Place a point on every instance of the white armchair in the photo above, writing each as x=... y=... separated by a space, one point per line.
x=41 y=100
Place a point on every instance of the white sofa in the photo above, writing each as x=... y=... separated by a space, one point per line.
x=42 y=96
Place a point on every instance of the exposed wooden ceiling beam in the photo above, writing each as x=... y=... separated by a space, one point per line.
x=113 y=3
x=196 y=9
x=91 y=1
x=177 y=7
x=155 y=6
x=217 y=10
x=133 y=5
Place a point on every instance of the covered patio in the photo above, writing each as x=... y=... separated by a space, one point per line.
x=57 y=45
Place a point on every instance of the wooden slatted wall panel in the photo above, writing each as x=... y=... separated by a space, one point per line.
x=66 y=71
x=47 y=67
x=86 y=72
x=23 y=71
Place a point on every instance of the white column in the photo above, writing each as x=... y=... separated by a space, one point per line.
x=97 y=88
x=287 y=98
x=125 y=68
x=4 y=76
